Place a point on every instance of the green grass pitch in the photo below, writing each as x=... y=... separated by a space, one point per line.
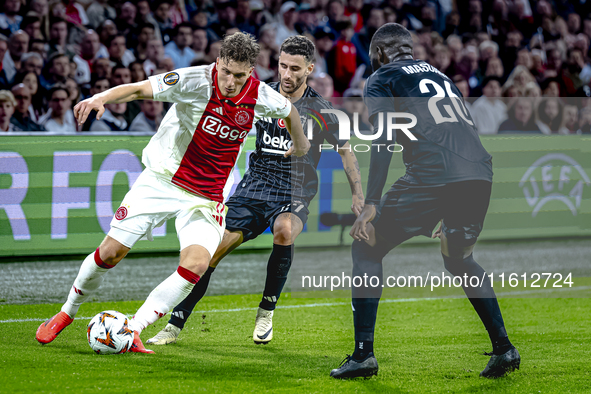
x=422 y=346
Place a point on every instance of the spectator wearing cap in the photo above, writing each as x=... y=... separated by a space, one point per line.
x=362 y=40
x=18 y=44
x=342 y=60
x=149 y=118
x=112 y=119
x=179 y=49
x=288 y=17
x=324 y=42
x=21 y=118
x=489 y=111
x=10 y=20
x=98 y=11
x=307 y=20
x=59 y=118
x=7 y=104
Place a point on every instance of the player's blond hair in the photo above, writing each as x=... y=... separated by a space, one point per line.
x=241 y=48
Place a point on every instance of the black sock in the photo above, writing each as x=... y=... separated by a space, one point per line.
x=367 y=260
x=484 y=301
x=183 y=310
x=362 y=350
x=277 y=270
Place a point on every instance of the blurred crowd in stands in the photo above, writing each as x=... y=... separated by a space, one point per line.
x=523 y=66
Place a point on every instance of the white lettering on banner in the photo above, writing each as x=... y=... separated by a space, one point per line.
x=117 y=161
x=64 y=197
x=571 y=198
x=345 y=125
x=11 y=199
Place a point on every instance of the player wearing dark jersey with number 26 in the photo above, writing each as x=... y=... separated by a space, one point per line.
x=275 y=191
x=448 y=180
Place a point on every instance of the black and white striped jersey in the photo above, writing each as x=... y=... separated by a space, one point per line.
x=272 y=177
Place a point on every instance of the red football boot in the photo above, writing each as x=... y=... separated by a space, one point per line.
x=49 y=330
x=138 y=346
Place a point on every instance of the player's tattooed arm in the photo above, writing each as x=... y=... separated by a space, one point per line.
x=351 y=166
x=300 y=145
x=118 y=94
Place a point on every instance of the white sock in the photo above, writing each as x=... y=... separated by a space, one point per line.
x=163 y=298
x=88 y=280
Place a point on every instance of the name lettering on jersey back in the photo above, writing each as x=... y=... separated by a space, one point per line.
x=423 y=68
x=214 y=126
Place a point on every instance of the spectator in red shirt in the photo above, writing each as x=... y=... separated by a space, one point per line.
x=342 y=61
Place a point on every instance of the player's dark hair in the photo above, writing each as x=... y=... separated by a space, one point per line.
x=392 y=32
x=299 y=45
x=241 y=48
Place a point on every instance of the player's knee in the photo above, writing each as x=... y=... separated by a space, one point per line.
x=458 y=266
x=112 y=251
x=282 y=235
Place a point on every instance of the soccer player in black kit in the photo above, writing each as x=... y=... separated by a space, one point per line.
x=275 y=191
x=448 y=178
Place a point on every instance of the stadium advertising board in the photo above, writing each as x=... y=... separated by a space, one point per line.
x=58 y=194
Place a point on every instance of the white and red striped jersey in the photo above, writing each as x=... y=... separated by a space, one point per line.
x=202 y=134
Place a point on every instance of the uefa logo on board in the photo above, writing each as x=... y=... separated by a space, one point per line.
x=554 y=177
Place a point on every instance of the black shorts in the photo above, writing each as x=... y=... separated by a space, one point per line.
x=408 y=209
x=252 y=217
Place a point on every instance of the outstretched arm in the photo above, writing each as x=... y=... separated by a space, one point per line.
x=301 y=145
x=351 y=167
x=118 y=94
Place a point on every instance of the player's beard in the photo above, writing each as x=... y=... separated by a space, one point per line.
x=295 y=85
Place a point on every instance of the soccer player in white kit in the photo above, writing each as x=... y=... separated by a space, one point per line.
x=188 y=162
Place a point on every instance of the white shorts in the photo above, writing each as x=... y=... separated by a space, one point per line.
x=153 y=199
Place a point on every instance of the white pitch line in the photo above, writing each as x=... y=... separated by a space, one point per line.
x=384 y=301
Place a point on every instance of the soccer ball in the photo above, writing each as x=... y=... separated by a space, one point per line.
x=109 y=333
